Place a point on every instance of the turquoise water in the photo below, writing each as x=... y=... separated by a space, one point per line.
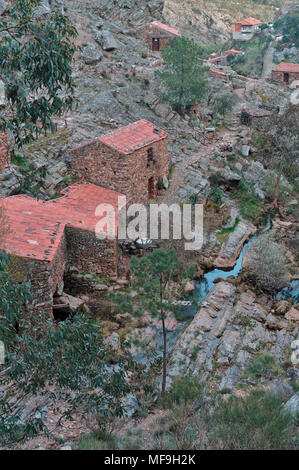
x=203 y=287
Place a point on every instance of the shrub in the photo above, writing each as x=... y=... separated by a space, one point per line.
x=267 y=264
x=183 y=390
x=261 y=366
x=256 y=422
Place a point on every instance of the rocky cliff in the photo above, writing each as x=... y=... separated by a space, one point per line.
x=211 y=21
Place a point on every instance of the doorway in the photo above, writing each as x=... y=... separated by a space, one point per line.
x=156 y=44
x=151 y=188
x=286 y=77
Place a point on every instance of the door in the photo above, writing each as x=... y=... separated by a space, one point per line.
x=156 y=44
x=286 y=77
x=151 y=188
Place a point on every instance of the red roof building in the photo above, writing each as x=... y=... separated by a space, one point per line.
x=244 y=30
x=135 y=136
x=131 y=159
x=49 y=237
x=157 y=35
x=285 y=73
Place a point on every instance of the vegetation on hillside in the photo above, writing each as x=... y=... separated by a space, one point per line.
x=182 y=74
x=36 y=68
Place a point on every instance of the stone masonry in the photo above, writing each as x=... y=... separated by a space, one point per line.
x=131 y=159
x=4 y=155
x=47 y=238
x=156 y=35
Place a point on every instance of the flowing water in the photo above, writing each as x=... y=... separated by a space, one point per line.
x=203 y=287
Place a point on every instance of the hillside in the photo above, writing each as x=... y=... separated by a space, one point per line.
x=210 y=21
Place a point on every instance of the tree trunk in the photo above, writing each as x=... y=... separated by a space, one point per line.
x=164 y=360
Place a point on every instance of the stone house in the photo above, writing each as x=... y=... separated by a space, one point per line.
x=254 y=117
x=285 y=73
x=244 y=30
x=131 y=159
x=4 y=154
x=157 y=35
x=47 y=238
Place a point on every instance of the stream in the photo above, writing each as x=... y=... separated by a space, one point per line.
x=203 y=287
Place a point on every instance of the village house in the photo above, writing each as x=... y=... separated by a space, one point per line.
x=157 y=35
x=255 y=117
x=244 y=30
x=47 y=238
x=131 y=159
x=285 y=73
x=4 y=154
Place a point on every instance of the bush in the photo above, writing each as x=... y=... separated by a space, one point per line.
x=267 y=265
x=256 y=422
x=261 y=366
x=183 y=390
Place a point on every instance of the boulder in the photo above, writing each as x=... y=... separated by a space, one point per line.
x=106 y=40
x=281 y=389
x=68 y=303
x=226 y=177
x=165 y=182
x=91 y=54
x=292 y=406
x=245 y=149
x=292 y=315
x=232 y=247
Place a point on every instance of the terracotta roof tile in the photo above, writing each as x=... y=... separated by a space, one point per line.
x=249 y=22
x=286 y=67
x=129 y=138
x=166 y=28
x=37 y=227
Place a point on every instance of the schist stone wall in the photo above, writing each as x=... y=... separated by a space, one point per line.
x=135 y=174
x=4 y=154
x=284 y=77
x=78 y=248
x=154 y=37
x=88 y=253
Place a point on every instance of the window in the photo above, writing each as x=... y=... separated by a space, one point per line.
x=150 y=157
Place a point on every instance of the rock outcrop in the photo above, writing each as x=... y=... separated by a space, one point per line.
x=226 y=333
x=232 y=247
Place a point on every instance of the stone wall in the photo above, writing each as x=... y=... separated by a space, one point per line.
x=148 y=32
x=278 y=77
x=128 y=174
x=88 y=253
x=4 y=155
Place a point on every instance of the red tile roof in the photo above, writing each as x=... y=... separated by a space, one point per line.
x=166 y=28
x=219 y=74
x=286 y=67
x=129 y=138
x=37 y=227
x=233 y=51
x=248 y=22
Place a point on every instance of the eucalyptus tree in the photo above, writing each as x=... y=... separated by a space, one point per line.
x=36 y=54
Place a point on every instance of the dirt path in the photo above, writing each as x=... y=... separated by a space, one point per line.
x=171 y=195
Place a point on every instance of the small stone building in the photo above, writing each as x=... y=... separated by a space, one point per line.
x=285 y=73
x=244 y=30
x=4 y=154
x=254 y=117
x=131 y=159
x=157 y=35
x=49 y=237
